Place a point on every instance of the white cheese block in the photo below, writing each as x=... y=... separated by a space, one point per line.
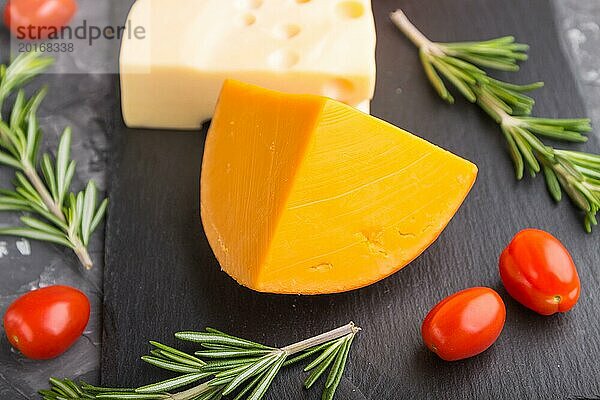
x=172 y=78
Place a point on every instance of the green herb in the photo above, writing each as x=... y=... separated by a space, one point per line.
x=225 y=366
x=67 y=218
x=577 y=174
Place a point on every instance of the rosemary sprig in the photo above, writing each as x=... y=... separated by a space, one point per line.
x=67 y=218
x=226 y=366
x=577 y=174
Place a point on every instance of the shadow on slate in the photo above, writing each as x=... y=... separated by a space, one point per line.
x=161 y=275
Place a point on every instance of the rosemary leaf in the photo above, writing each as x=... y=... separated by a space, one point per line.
x=236 y=370
x=17 y=114
x=525 y=150
x=27 y=189
x=434 y=78
x=250 y=386
x=49 y=216
x=136 y=396
x=584 y=159
x=40 y=226
x=491 y=62
x=231 y=354
x=332 y=348
x=9 y=161
x=49 y=177
x=305 y=354
x=214 y=338
x=216 y=366
x=332 y=385
x=320 y=369
x=557 y=132
x=514 y=153
x=86 y=387
x=172 y=365
x=569 y=168
x=339 y=362
x=177 y=355
x=35 y=234
x=62 y=164
x=457 y=81
x=89 y=205
x=13 y=204
x=253 y=370
x=590 y=174
x=265 y=382
x=64 y=387
x=552 y=183
x=33 y=136
x=173 y=383
x=517 y=88
x=100 y=213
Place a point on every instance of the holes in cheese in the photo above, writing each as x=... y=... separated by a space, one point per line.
x=172 y=78
x=350 y=9
x=303 y=194
x=249 y=4
x=246 y=19
x=287 y=31
x=338 y=88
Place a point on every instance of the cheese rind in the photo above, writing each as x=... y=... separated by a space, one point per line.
x=172 y=78
x=302 y=194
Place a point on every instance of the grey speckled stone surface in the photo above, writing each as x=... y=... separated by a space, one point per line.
x=579 y=21
x=82 y=102
x=83 y=105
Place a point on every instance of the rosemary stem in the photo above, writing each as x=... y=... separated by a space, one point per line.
x=320 y=339
x=505 y=119
x=337 y=333
x=38 y=184
x=461 y=65
x=78 y=247
x=403 y=23
x=82 y=253
x=2 y=97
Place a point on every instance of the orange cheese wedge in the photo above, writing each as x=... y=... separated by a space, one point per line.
x=303 y=194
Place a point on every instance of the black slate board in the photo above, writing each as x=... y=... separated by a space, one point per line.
x=161 y=275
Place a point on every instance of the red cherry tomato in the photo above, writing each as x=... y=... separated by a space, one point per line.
x=464 y=324
x=34 y=19
x=538 y=272
x=44 y=323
